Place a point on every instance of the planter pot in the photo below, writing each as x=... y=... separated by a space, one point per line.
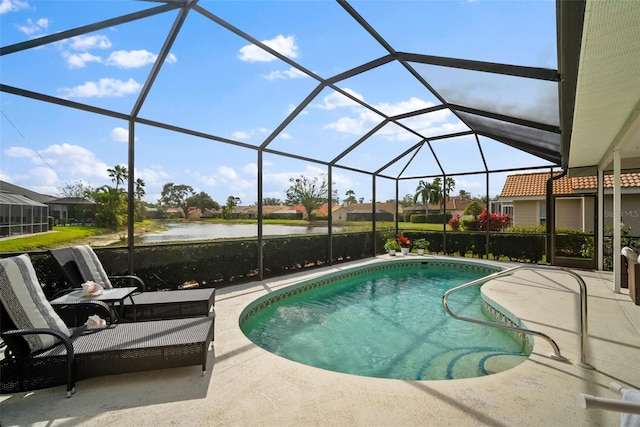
x=420 y=251
x=392 y=252
x=404 y=251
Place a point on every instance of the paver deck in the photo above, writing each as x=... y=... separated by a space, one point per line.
x=248 y=386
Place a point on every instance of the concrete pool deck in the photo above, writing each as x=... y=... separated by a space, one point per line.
x=247 y=386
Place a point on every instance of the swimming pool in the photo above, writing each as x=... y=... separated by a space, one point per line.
x=386 y=320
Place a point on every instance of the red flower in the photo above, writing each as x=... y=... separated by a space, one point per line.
x=404 y=241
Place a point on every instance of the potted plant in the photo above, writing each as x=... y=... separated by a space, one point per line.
x=421 y=245
x=392 y=246
x=405 y=244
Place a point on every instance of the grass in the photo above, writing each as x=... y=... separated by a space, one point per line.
x=57 y=237
x=64 y=236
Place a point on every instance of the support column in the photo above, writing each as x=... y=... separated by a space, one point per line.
x=600 y=202
x=617 y=222
x=260 y=222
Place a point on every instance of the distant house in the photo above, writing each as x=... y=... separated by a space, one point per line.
x=363 y=211
x=22 y=211
x=455 y=206
x=285 y=212
x=72 y=210
x=524 y=198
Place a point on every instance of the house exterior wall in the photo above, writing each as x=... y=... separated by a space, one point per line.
x=339 y=215
x=589 y=221
x=630 y=212
x=578 y=213
x=569 y=213
x=526 y=213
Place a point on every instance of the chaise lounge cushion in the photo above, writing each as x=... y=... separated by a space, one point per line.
x=90 y=266
x=26 y=305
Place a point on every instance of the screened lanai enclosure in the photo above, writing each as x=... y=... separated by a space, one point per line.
x=20 y=215
x=237 y=98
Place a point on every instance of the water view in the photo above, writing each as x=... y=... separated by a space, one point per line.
x=205 y=231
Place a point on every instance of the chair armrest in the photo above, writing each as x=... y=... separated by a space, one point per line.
x=101 y=309
x=62 y=292
x=141 y=286
x=66 y=341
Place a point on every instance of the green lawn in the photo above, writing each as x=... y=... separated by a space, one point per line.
x=59 y=236
x=64 y=236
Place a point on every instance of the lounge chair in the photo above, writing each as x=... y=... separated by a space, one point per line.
x=41 y=351
x=80 y=264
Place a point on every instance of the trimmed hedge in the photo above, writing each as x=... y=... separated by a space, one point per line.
x=215 y=263
x=516 y=247
x=227 y=262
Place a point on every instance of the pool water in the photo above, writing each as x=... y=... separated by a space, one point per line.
x=388 y=323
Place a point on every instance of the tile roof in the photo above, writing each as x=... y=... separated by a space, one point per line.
x=535 y=184
x=627 y=180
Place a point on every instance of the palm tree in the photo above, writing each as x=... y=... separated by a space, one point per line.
x=140 y=192
x=428 y=192
x=119 y=174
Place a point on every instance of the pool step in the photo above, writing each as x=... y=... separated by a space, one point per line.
x=469 y=362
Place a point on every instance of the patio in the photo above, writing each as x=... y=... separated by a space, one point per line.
x=596 y=131
x=249 y=386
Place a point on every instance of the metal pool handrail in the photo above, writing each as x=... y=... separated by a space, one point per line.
x=583 y=309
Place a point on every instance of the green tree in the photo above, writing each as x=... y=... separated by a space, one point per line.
x=464 y=194
x=230 y=207
x=351 y=198
x=77 y=190
x=428 y=193
x=407 y=200
x=310 y=193
x=176 y=196
x=271 y=201
x=203 y=201
x=139 y=190
x=118 y=174
x=474 y=209
x=111 y=206
x=449 y=186
x=139 y=209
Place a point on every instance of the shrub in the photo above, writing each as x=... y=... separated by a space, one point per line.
x=418 y=218
x=493 y=222
x=454 y=223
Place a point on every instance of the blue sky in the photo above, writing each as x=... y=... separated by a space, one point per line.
x=215 y=82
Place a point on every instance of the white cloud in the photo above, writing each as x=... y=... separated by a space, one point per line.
x=131 y=59
x=55 y=164
x=226 y=173
x=412 y=104
x=291 y=73
x=153 y=177
x=348 y=125
x=12 y=6
x=90 y=42
x=34 y=27
x=338 y=100
x=281 y=44
x=119 y=134
x=75 y=60
x=103 y=88
x=241 y=135
x=171 y=58
x=250 y=169
x=21 y=152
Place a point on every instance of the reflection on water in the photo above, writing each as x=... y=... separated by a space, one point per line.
x=206 y=231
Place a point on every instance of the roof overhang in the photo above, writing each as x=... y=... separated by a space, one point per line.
x=599 y=62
